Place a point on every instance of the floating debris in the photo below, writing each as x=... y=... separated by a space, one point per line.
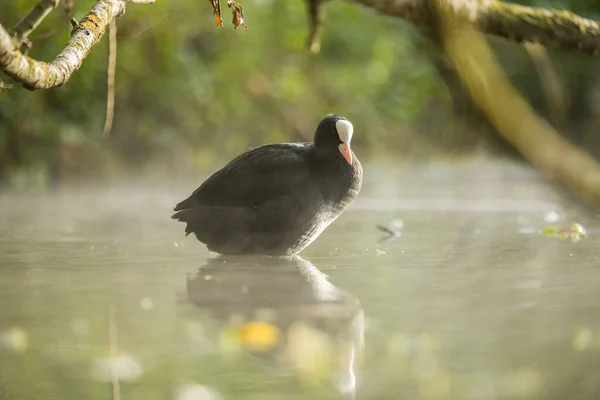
x=575 y=232
x=578 y=229
x=393 y=229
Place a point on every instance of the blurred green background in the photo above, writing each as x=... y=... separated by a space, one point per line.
x=190 y=96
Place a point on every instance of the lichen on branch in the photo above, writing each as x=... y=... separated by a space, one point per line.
x=35 y=74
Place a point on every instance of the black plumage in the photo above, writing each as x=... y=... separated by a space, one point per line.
x=277 y=198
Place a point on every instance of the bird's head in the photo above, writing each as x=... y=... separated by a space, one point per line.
x=335 y=132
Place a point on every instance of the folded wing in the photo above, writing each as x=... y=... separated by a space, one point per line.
x=262 y=199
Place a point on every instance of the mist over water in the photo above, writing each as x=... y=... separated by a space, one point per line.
x=472 y=298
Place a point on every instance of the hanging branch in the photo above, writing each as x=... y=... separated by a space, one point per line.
x=511 y=115
x=35 y=74
x=110 y=78
x=511 y=21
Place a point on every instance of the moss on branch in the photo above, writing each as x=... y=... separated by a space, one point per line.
x=549 y=27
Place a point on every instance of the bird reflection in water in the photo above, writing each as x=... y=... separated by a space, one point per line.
x=285 y=312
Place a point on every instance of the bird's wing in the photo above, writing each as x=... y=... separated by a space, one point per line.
x=261 y=196
x=254 y=178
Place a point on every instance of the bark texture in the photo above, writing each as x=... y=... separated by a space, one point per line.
x=35 y=74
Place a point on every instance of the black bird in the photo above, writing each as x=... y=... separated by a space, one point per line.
x=276 y=199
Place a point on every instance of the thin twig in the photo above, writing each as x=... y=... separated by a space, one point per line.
x=31 y=21
x=5 y=86
x=110 y=78
x=113 y=350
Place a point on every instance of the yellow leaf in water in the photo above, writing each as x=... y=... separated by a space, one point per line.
x=259 y=336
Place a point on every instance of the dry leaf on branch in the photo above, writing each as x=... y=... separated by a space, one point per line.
x=216 y=5
x=238 y=14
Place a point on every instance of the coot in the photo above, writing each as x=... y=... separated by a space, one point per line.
x=276 y=199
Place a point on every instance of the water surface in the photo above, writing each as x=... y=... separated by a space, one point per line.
x=103 y=297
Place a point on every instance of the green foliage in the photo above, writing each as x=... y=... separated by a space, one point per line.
x=189 y=94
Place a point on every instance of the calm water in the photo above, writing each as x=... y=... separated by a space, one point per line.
x=102 y=297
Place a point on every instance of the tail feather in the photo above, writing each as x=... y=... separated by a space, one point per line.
x=183 y=205
x=184 y=216
x=216 y=224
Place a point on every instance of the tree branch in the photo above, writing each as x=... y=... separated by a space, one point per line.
x=511 y=21
x=512 y=116
x=31 y=21
x=35 y=74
